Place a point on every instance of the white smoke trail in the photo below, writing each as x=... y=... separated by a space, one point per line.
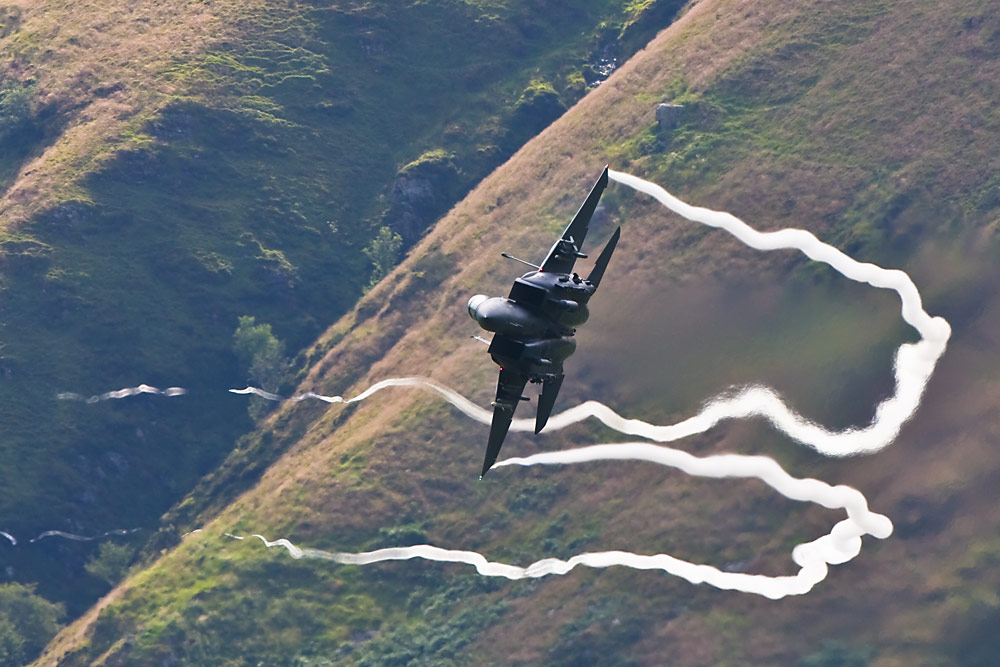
x=749 y=402
x=122 y=393
x=459 y=401
x=259 y=392
x=295 y=399
x=913 y=366
x=70 y=536
x=813 y=558
x=83 y=538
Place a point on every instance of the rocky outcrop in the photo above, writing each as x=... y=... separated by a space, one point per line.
x=422 y=191
x=668 y=116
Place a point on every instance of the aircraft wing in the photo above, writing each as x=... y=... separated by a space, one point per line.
x=509 y=388
x=564 y=253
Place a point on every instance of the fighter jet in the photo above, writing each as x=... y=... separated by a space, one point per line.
x=533 y=327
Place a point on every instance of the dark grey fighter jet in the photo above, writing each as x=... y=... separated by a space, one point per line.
x=534 y=325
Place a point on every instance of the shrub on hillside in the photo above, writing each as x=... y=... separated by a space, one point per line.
x=263 y=356
x=15 y=108
x=27 y=623
x=383 y=252
x=111 y=562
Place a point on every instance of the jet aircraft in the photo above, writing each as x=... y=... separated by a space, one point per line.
x=534 y=326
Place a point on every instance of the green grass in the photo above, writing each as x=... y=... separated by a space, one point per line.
x=754 y=138
x=252 y=189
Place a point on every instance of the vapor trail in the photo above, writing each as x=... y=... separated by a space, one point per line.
x=748 y=402
x=913 y=365
x=813 y=558
x=83 y=538
x=69 y=536
x=122 y=393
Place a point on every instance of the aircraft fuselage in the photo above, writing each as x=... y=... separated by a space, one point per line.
x=535 y=330
x=534 y=325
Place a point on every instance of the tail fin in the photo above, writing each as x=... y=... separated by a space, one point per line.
x=602 y=262
x=567 y=249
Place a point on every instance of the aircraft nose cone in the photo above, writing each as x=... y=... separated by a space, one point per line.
x=474 y=304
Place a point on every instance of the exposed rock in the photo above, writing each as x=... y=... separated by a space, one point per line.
x=277 y=274
x=413 y=203
x=668 y=116
x=422 y=191
x=68 y=214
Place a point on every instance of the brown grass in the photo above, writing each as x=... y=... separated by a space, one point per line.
x=72 y=49
x=899 y=594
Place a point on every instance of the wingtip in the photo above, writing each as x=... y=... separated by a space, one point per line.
x=540 y=419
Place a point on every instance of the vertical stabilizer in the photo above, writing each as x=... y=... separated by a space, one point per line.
x=566 y=250
x=602 y=262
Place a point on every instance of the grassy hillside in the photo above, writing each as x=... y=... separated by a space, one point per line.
x=870 y=124
x=167 y=168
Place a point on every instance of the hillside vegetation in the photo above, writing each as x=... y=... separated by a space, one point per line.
x=869 y=123
x=166 y=168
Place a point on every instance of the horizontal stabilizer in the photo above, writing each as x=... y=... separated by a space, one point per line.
x=602 y=262
x=498 y=432
x=550 y=389
x=509 y=388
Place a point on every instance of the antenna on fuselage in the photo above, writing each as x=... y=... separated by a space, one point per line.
x=508 y=256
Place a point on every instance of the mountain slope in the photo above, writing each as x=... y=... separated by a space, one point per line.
x=870 y=124
x=166 y=168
